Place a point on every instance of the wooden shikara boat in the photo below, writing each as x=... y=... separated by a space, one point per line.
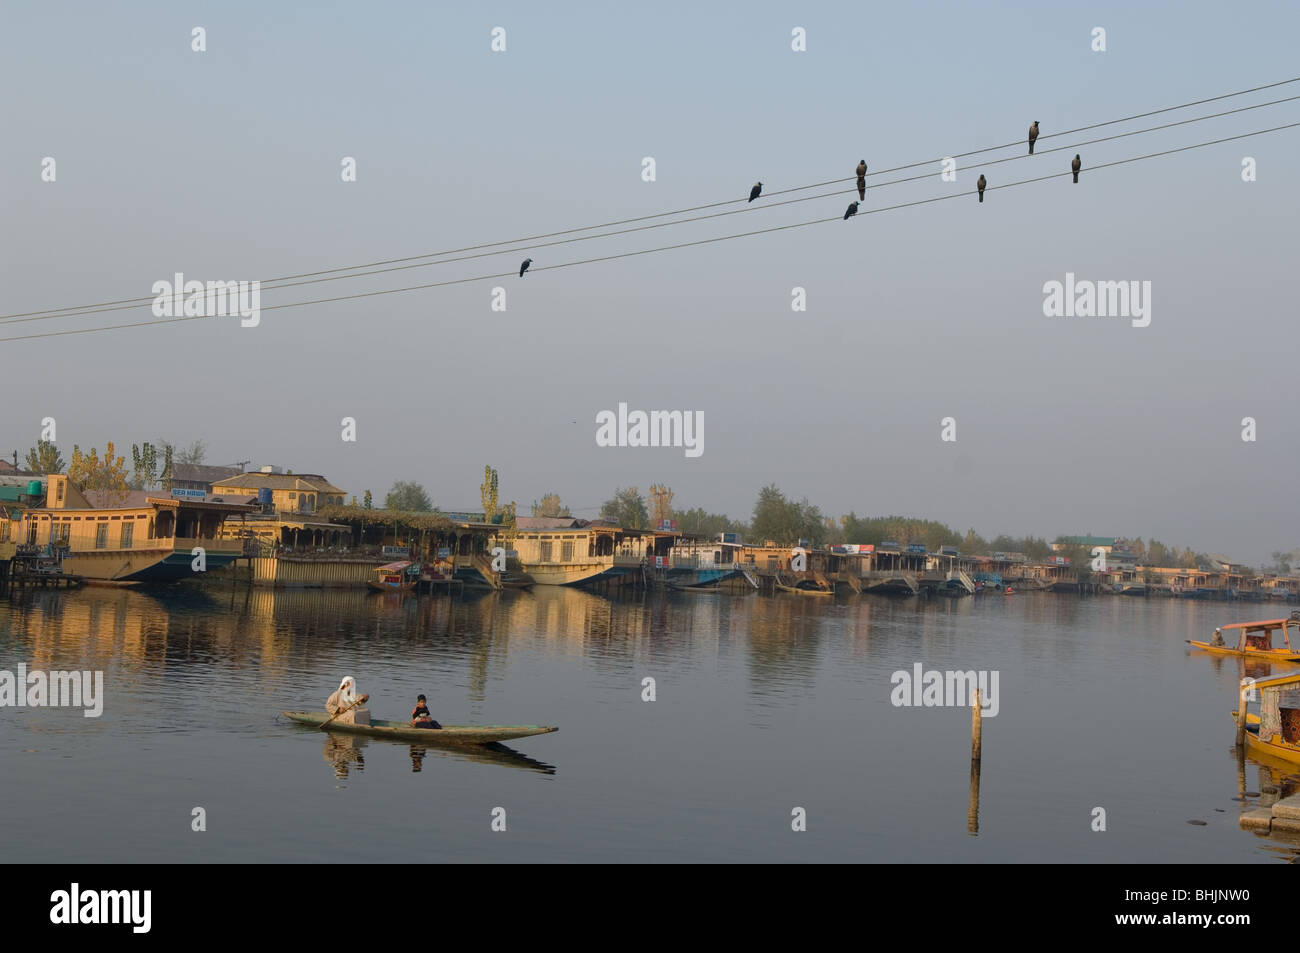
x=1255 y=640
x=806 y=589
x=395 y=577
x=1273 y=734
x=402 y=731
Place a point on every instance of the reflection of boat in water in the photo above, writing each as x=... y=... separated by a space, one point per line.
x=491 y=753
x=402 y=731
x=1255 y=640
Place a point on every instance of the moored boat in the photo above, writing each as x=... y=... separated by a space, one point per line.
x=1275 y=732
x=805 y=587
x=395 y=577
x=402 y=731
x=1255 y=640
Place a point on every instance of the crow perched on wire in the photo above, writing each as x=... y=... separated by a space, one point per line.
x=1075 y=166
x=862 y=179
x=755 y=191
x=851 y=211
x=980 y=185
x=1033 y=136
x=524 y=266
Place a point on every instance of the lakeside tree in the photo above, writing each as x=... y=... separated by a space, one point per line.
x=45 y=458
x=661 y=503
x=369 y=501
x=408 y=496
x=550 y=505
x=144 y=466
x=785 y=521
x=626 y=508
x=699 y=522
x=488 y=493
x=194 y=454
x=89 y=472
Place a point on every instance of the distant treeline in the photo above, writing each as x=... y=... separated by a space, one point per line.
x=786 y=521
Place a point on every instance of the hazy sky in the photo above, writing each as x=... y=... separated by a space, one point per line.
x=225 y=164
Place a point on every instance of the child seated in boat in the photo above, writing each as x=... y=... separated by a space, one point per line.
x=420 y=717
x=346 y=700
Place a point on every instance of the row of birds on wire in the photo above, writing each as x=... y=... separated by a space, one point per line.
x=980 y=185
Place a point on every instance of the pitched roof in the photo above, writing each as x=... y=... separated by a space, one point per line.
x=277 y=481
x=197 y=473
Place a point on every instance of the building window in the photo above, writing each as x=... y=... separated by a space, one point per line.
x=128 y=534
x=546 y=552
x=566 y=551
x=59 y=494
x=101 y=536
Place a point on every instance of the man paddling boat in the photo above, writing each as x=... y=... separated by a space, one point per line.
x=346 y=701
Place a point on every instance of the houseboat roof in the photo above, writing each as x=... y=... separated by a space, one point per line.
x=279 y=481
x=394 y=567
x=1277 y=681
x=143 y=499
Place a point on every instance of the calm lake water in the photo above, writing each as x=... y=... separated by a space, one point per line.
x=764 y=704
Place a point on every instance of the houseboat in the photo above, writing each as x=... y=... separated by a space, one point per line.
x=133 y=536
x=1273 y=734
x=703 y=562
x=568 y=552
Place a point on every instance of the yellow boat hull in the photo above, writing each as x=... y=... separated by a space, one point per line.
x=1273 y=655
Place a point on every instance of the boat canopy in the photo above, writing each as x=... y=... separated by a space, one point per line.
x=394 y=567
x=1267 y=624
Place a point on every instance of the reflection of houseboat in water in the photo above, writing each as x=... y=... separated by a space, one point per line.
x=132 y=536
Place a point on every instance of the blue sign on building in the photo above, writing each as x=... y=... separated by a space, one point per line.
x=189 y=494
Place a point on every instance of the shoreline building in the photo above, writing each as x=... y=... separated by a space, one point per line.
x=130 y=536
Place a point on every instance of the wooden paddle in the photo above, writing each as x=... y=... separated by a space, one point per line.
x=362 y=699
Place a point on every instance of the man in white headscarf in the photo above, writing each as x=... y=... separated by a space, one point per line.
x=343 y=700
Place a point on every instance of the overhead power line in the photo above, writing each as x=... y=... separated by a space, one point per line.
x=74 y=310
x=141 y=302
x=648 y=251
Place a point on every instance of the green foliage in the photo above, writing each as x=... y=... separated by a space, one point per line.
x=698 y=522
x=488 y=493
x=627 y=508
x=368 y=502
x=144 y=466
x=550 y=505
x=45 y=458
x=785 y=521
x=408 y=496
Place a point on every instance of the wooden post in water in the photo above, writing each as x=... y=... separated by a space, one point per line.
x=1241 y=712
x=973 y=809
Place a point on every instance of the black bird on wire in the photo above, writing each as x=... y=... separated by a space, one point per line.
x=1075 y=166
x=524 y=266
x=851 y=211
x=755 y=191
x=1033 y=136
x=981 y=185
